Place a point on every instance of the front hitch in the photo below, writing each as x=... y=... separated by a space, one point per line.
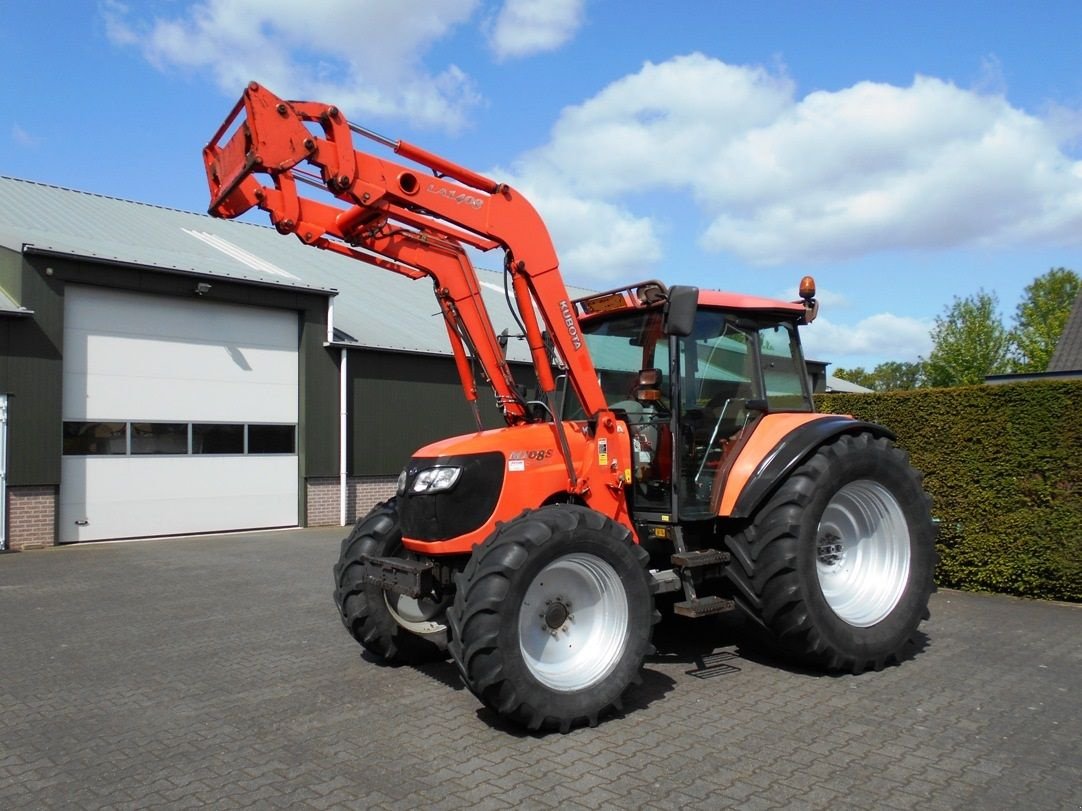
x=411 y=578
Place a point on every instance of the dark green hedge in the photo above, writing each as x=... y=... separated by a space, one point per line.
x=1004 y=467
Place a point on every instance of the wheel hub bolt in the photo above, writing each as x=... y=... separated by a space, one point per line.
x=556 y=615
x=830 y=550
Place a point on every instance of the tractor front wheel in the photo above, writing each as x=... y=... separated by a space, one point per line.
x=394 y=627
x=552 y=617
x=838 y=564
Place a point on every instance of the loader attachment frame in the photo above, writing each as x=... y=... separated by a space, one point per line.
x=398 y=218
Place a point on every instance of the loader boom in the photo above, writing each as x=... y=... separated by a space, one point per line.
x=399 y=219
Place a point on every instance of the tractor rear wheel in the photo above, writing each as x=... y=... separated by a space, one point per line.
x=394 y=627
x=552 y=617
x=838 y=564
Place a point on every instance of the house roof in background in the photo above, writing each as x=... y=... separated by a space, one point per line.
x=1068 y=354
x=837 y=384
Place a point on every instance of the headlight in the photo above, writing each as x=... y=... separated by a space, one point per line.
x=436 y=479
x=401 y=488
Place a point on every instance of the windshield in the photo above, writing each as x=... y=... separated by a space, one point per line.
x=623 y=346
x=728 y=355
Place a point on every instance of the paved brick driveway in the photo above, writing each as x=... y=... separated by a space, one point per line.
x=214 y=672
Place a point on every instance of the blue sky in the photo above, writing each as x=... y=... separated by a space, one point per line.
x=902 y=153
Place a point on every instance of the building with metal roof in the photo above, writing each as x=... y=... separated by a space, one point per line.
x=317 y=364
x=371 y=308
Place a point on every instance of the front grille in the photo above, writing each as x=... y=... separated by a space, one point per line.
x=460 y=510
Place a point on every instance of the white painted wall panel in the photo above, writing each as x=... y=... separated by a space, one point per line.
x=135 y=496
x=140 y=357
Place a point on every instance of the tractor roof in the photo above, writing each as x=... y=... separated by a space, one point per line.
x=739 y=301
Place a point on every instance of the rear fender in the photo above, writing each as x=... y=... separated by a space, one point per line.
x=762 y=465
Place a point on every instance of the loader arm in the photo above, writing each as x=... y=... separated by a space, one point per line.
x=406 y=221
x=413 y=254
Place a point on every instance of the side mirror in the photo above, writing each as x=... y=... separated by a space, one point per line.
x=680 y=310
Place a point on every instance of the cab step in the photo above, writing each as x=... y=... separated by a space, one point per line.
x=703 y=607
x=694 y=558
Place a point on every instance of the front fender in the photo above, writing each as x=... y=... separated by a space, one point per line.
x=775 y=449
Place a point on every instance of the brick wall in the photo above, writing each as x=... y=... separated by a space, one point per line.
x=321 y=498
x=362 y=494
x=32 y=510
x=31 y=517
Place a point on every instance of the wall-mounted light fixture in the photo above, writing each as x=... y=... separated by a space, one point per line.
x=202 y=288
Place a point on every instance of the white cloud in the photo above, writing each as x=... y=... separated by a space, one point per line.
x=596 y=240
x=830 y=176
x=658 y=126
x=114 y=13
x=23 y=137
x=884 y=335
x=876 y=167
x=526 y=27
x=992 y=79
x=364 y=55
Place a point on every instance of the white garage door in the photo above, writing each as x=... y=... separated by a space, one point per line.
x=180 y=416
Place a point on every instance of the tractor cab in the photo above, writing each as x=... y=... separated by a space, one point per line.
x=693 y=378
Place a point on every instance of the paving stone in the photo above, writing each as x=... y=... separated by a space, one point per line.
x=213 y=672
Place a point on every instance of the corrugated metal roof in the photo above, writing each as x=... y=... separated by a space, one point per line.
x=34 y=216
x=376 y=308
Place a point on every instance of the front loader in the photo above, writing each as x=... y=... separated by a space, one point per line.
x=671 y=458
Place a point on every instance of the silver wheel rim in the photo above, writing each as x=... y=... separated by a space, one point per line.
x=573 y=622
x=862 y=553
x=419 y=616
x=416 y=616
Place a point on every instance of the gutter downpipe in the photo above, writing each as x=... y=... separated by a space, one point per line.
x=3 y=472
x=343 y=400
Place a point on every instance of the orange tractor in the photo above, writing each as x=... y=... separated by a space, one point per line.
x=671 y=457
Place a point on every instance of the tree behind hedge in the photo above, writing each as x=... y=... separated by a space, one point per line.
x=1040 y=318
x=969 y=342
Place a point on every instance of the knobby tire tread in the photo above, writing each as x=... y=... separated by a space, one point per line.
x=361 y=606
x=779 y=594
x=484 y=603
